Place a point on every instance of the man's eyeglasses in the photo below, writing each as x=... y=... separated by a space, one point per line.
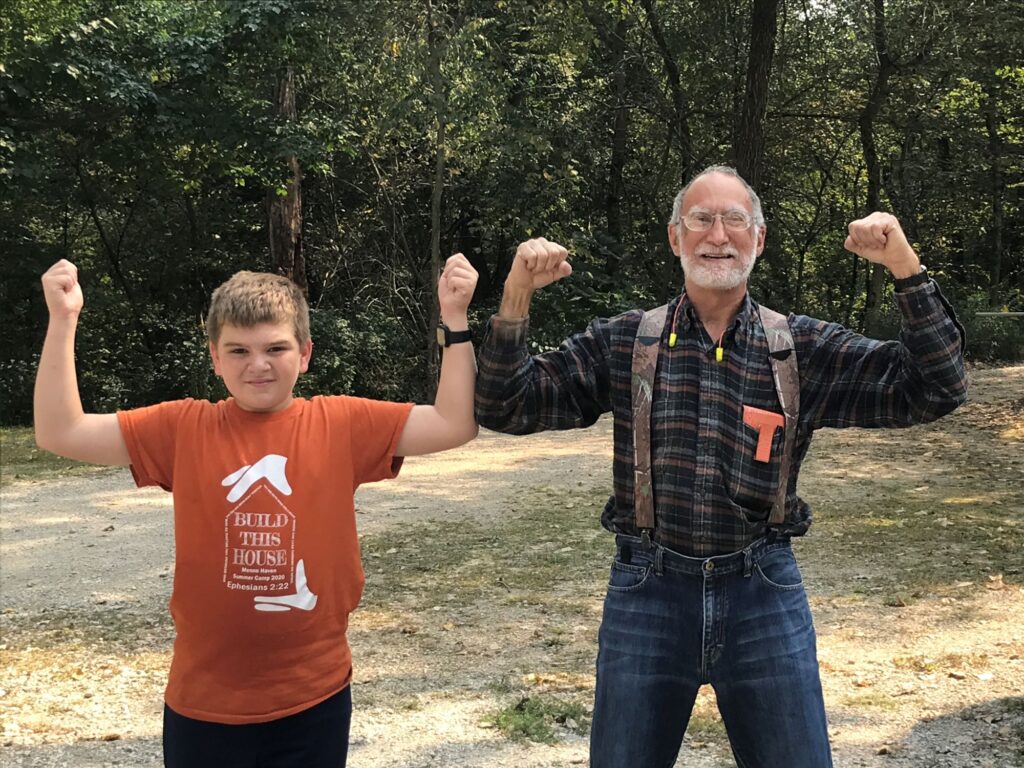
x=702 y=221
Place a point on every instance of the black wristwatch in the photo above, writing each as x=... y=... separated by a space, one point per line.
x=446 y=336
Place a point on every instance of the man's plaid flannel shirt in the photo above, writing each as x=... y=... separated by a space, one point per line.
x=710 y=494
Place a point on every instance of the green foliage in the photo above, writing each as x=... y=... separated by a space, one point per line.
x=992 y=338
x=20 y=459
x=16 y=382
x=142 y=139
x=334 y=366
x=367 y=354
x=535 y=718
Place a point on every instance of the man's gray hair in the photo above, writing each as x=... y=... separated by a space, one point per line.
x=726 y=170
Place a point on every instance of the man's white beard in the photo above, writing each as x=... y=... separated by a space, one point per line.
x=723 y=275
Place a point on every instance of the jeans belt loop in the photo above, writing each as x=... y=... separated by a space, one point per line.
x=659 y=568
x=748 y=561
x=622 y=553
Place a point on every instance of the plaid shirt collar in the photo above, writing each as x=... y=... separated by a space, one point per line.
x=689 y=322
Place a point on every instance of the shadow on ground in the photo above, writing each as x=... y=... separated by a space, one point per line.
x=136 y=753
x=989 y=734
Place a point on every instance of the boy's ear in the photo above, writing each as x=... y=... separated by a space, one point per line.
x=215 y=358
x=305 y=352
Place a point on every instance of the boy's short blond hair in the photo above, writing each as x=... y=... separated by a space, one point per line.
x=250 y=298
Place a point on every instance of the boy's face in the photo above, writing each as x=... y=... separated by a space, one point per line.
x=260 y=364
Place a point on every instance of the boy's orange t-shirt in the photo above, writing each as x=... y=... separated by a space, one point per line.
x=267 y=565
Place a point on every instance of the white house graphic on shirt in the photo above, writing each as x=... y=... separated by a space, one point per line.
x=259 y=538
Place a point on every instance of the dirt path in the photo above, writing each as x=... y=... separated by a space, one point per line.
x=485 y=577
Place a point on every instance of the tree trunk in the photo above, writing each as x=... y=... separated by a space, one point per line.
x=613 y=39
x=995 y=150
x=679 y=132
x=113 y=252
x=680 y=126
x=284 y=211
x=749 y=134
x=620 y=137
x=866 y=123
x=439 y=99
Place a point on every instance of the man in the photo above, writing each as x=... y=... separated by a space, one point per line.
x=708 y=591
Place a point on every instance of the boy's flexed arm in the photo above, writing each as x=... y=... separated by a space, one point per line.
x=61 y=425
x=449 y=422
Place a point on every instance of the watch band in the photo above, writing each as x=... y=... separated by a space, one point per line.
x=903 y=283
x=446 y=336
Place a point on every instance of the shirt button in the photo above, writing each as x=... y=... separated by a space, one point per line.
x=709 y=566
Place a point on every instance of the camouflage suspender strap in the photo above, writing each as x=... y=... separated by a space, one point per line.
x=782 y=353
x=646 y=347
x=645 y=364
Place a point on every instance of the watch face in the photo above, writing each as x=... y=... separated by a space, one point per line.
x=441 y=335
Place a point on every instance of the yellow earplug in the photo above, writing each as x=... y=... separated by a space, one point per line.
x=672 y=339
x=719 y=354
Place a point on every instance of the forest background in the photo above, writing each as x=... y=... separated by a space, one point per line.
x=162 y=145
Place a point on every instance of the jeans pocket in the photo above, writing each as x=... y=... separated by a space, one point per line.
x=778 y=570
x=627 y=577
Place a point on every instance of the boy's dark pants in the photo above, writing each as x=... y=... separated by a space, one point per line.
x=314 y=738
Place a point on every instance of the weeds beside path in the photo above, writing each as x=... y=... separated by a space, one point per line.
x=475 y=641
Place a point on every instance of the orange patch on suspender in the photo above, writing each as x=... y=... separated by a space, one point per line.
x=765 y=422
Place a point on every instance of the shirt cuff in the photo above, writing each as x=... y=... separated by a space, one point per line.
x=906 y=283
x=509 y=331
x=924 y=308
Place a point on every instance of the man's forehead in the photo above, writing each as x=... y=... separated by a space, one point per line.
x=726 y=191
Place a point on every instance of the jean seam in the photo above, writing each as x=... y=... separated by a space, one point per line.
x=636 y=570
x=633 y=587
x=774 y=585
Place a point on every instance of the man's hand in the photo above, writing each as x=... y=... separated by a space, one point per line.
x=537 y=263
x=455 y=290
x=879 y=238
x=62 y=291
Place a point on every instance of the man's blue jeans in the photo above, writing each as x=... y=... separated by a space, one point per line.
x=739 y=622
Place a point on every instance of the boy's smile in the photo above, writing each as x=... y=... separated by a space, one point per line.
x=260 y=364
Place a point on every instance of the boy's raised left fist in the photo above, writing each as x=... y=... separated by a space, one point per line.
x=455 y=288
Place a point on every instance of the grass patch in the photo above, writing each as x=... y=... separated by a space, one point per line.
x=503 y=686
x=549 y=552
x=946 y=661
x=517 y=595
x=1014 y=706
x=900 y=599
x=881 y=701
x=20 y=459
x=75 y=650
x=903 y=549
x=58 y=630
x=540 y=717
x=706 y=726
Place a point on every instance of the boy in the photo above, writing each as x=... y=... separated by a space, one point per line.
x=267 y=559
